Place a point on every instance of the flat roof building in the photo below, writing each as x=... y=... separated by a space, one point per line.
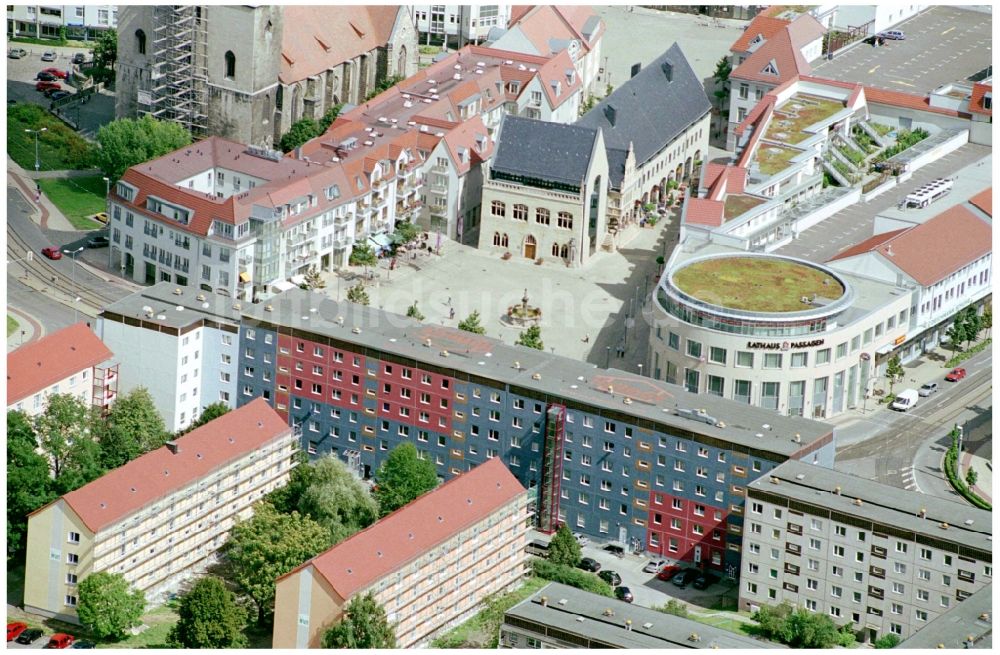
x=429 y=564
x=560 y=616
x=968 y=624
x=883 y=559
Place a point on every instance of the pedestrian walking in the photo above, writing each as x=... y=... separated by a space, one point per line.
x=451 y=313
x=449 y=301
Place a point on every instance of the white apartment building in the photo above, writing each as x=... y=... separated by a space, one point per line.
x=82 y=22
x=71 y=361
x=161 y=517
x=429 y=564
x=471 y=23
x=882 y=559
x=180 y=343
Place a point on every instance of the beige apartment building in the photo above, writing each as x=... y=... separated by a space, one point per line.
x=429 y=564
x=162 y=516
x=882 y=559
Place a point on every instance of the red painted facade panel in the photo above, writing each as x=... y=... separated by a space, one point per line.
x=673 y=525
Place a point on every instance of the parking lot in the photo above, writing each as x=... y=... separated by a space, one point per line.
x=943 y=44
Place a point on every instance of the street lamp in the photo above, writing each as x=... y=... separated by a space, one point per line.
x=73 y=254
x=38 y=163
x=607 y=360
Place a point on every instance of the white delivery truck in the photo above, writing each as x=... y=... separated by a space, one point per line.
x=905 y=400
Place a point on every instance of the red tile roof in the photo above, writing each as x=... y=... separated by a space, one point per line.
x=40 y=364
x=907 y=100
x=415 y=528
x=318 y=37
x=779 y=51
x=868 y=245
x=805 y=29
x=984 y=200
x=933 y=250
x=761 y=25
x=158 y=473
x=540 y=23
x=979 y=91
x=702 y=211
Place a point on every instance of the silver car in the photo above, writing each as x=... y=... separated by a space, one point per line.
x=49 y=55
x=927 y=389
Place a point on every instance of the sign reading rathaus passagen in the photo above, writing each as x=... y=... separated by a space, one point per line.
x=784 y=345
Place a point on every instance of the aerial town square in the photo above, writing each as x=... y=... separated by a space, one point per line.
x=499 y=326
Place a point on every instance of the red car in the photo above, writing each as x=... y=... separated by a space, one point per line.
x=15 y=629
x=61 y=74
x=52 y=252
x=955 y=375
x=60 y=640
x=41 y=86
x=668 y=572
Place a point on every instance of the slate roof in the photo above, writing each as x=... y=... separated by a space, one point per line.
x=649 y=111
x=40 y=364
x=542 y=150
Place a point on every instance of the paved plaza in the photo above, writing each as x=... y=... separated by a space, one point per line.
x=943 y=44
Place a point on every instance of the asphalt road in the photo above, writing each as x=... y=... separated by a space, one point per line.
x=943 y=44
x=907 y=452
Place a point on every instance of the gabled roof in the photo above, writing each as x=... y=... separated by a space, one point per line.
x=778 y=54
x=650 y=110
x=544 y=151
x=550 y=28
x=414 y=529
x=469 y=143
x=151 y=477
x=40 y=364
x=804 y=30
x=933 y=250
x=318 y=37
x=702 y=211
x=979 y=92
x=762 y=26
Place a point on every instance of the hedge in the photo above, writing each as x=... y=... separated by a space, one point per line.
x=961 y=357
x=951 y=470
x=570 y=576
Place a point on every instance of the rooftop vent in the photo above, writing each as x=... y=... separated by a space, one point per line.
x=627 y=401
x=355 y=330
x=943 y=526
x=563 y=601
x=694 y=637
x=668 y=70
x=969 y=521
x=858 y=502
x=775 y=480
x=178 y=292
x=836 y=490
x=268 y=308
x=427 y=342
x=611 y=114
x=647 y=625
x=173 y=447
x=444 y=353
x=200 y=297
x=536 y=376
x=628 y=624
x=800 y=476
x=544 y=600
x=608 y=612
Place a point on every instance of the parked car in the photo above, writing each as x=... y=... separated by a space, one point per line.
x=83 y=644
x=705 y=580
x=685 y=577
x=615 y=549
x=59 y=95
x=78 y=59
x=654 y=566
x=17 y=53
x=927 y=389
x=15 y=629
x=41 y=86
x=588 y=564
x=624 y=593
x=955 y=374
x=45 y=76
x=102 y=217
x=52 y=89
x=537 y=547
x=28 y=636
x=61 y=74
x=60 y=640
x=668 y=572
x=893 y=35
x=905 y=400
x=52 y=252
x=581 y=538
x=610 y=577
x=98 y=242
x=49 y=55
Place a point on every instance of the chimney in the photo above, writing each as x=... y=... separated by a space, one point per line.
x=173 y=447
x=635 y=70
x=628 y=624
x=668 y=71
x=610 y=114
x=836 y=490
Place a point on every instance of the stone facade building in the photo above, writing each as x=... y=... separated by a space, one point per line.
x=253 y=70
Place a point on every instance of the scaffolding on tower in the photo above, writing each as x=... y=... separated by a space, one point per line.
x=179 y=76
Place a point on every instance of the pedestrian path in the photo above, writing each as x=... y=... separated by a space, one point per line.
x=28 y=329
x=980 y=460
x=48 y=216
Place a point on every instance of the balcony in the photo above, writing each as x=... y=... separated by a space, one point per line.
x=879 y=552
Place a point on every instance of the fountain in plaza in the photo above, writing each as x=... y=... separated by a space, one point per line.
x=523 y=315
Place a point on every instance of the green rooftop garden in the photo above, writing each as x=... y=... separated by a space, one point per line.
x=738 y=204
x=773 y=158
x=759 y=284
x=799 y=112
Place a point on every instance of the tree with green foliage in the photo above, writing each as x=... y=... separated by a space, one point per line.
x=329 y=116
x=132 y=427
x=82 y=465
x=336 y=499
x=384 y=85
x=108 y=606
x=957 y=332
x=125 y=142
x=887 y=641
x=972 y=324
x=564 y=548
x=209 y=413
x=406 y=232
x=362 y=255
x=971 y=477
x=987 y=320
x=531 y=338
x=472 y=324
x=797 y=627
x=364 y=625
x=403 y=477
x=300 y=131
x=29 y=485
x=286 y=499
x=413 y=312
x=313 y=279
x=893 y=371
x=64 y=422
x=267 y=546
x=357 y=294
x=573 y=577
x=675 y=607
x=209 y=617
x=106 y=49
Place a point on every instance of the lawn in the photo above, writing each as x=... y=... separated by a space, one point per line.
x=724 y=623
x=77 y=198
x=477 y=630
x=737 y=204
x=798 y=113
x=11 y=325
x=773 y=159
x=59 y=147
x=760 y=284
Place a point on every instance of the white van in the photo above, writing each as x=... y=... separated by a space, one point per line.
x=905 y=400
